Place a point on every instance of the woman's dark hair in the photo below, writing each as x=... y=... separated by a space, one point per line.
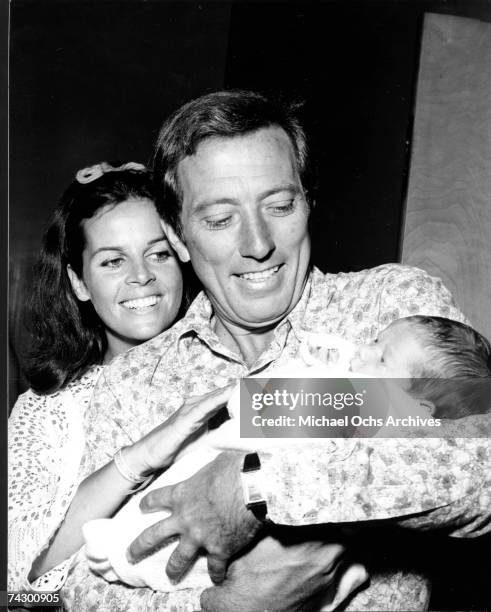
x=67 y=336
x=222 y=114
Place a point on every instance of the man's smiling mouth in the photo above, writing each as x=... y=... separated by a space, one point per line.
x=260 y=276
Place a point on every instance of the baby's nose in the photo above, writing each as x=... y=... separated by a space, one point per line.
x=364 y=356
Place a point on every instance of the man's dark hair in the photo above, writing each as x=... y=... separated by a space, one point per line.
x=461 y=356
x=222 y=114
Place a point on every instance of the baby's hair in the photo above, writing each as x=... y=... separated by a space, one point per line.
x=454 y=351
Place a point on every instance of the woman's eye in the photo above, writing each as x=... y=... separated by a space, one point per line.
x=217 y=223
x=113 y=263
x=282 y=208
x=159 y=256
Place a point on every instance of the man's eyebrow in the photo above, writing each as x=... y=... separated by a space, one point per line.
x=162 y=238
x=198 y=208
x=291 y=188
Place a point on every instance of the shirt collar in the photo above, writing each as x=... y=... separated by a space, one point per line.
x=198 y=320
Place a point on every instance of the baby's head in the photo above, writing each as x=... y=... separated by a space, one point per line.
x=425 y=349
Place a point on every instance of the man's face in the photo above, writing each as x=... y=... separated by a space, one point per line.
x=244 y=218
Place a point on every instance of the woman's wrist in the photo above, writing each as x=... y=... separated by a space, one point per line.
x=134 y=462
x=158 y=448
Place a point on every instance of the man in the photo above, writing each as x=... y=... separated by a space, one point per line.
x=234 y=178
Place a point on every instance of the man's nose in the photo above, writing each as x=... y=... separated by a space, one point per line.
x=256 y=240
x=140 y=273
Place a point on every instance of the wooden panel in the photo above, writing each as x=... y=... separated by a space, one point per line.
x=447 y=227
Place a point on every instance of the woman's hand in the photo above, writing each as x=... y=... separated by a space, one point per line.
x=159 y=447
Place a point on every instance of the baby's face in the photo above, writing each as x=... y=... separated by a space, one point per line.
x=392 y=355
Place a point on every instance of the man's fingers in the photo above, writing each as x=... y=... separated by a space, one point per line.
x=217 y=568
x=151 y=539
x=181 y=559
x=156 y=500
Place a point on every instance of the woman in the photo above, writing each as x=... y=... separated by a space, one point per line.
x=106 y=281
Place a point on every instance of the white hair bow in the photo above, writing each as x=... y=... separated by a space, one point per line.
x=92 y=173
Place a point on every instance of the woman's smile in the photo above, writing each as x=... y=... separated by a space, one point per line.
x=142 y=304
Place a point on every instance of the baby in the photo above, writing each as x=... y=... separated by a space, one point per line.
x=416 y=350
x=427 y=352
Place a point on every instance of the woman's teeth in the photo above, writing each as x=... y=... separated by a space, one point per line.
x=141 y=303
x=258 y=276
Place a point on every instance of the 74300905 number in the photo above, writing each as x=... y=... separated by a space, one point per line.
x=33 y=599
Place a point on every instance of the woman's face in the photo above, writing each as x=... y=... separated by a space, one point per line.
x=129 y=274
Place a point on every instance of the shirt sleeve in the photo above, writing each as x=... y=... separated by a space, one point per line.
x=54 y=579
x=405 y=291
x=423 y=483
x=45 y=448
x=109 y=424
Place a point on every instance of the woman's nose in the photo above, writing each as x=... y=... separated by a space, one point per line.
x=140 y=273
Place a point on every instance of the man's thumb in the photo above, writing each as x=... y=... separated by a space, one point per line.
x=210 y=600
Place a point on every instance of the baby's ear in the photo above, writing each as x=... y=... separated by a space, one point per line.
x=428 y=406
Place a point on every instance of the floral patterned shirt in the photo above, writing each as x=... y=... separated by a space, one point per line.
x=419 y=483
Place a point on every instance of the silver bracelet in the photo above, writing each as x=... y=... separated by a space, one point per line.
x=126 y=472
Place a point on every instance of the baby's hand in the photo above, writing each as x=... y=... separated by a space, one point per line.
x=326 y=349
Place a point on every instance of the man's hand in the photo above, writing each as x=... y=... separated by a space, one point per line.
x=207 y=511
x=282 y=573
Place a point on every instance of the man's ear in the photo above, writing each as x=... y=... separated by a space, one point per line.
x=428 y=406
x=78 y=285
x=176 y=243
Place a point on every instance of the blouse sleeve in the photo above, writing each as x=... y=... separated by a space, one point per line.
x=45 y=449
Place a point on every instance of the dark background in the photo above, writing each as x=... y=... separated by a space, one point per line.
x=94 y=80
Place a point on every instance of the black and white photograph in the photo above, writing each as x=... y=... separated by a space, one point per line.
x=214 y=207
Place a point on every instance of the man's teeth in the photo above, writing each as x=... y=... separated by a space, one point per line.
x=257 y=276
x=140 y=303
